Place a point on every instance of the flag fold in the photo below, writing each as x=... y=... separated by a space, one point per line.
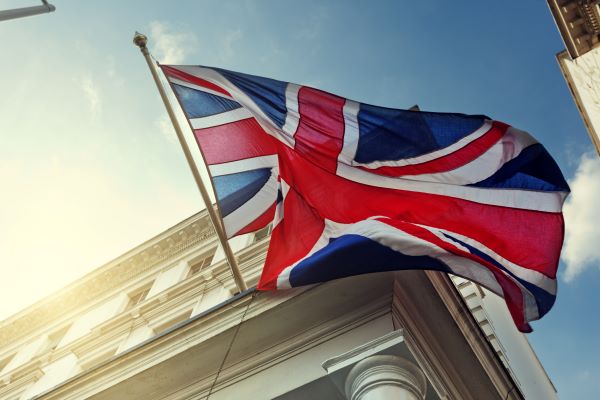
x=352 y=188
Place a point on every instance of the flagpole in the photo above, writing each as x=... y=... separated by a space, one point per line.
x=27 y=11
x=141 y=41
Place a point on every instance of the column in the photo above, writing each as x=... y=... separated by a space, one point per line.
x=385 y=377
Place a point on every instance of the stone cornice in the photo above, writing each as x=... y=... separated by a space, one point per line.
x=442 y=355
x=479 y=343
x=119 y=271
x=209 y=333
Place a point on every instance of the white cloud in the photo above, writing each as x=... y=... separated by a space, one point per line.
x=582 y=216
x=170 y=47
x=92 y=94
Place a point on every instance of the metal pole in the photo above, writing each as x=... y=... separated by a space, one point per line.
x=26 y=11
x=141 y=41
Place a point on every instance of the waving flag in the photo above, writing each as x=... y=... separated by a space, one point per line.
x=353 y=188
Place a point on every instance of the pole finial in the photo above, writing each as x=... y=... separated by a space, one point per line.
x=140 y=40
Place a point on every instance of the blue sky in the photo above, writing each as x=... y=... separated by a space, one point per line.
x=89 y=165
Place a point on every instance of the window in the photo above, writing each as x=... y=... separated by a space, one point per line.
x=138 y=295
x=263 y=233
x=4 y=362
x=203 y=262
x=55 y=337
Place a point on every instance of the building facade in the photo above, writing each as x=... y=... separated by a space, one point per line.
x=164 y=321
x=578 y=22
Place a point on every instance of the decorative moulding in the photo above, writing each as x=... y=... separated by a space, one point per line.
x=116 y=273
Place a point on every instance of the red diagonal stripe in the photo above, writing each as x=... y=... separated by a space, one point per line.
x=291 y=239
x=511 y=291
x=260 y=222
x=528 y=238
x=451 y=161
x=184 y=76
x=234 y=141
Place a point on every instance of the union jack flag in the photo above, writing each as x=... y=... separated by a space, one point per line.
x=353 y=188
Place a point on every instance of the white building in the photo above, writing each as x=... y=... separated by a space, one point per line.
x=162 y=322
x=578 y=22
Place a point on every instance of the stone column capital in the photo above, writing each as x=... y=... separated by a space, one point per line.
x=378 y=377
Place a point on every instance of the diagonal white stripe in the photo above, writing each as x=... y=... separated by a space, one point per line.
x=197 y=87
x=246 y=164
x=507 y=148
x=283 y=279
x=529 y=275
x=482 y=130
x=279 y=211
x=220 y=119
x=253 y=208
x=514 y=198
x=405 y=243
x=263 y=120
